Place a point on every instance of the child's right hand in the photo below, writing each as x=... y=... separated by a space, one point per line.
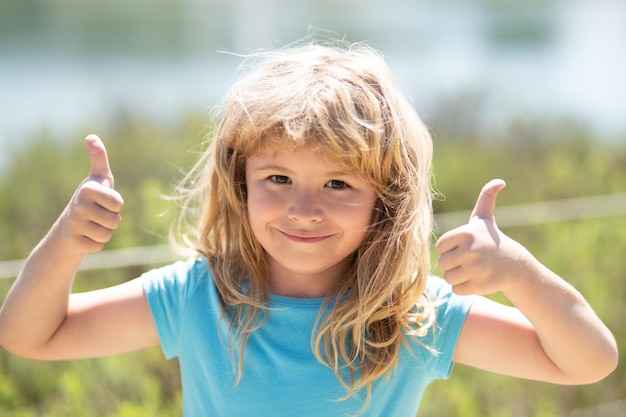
x=93 y=213
x=41 y=318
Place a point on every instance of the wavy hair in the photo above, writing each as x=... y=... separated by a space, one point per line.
x=341 y=98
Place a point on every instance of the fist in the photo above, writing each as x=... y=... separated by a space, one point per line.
x=477 y=258
x=94 y=211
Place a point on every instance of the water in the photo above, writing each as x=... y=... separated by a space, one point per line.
x=548 y=59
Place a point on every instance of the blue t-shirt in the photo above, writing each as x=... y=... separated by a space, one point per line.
x=281 y=376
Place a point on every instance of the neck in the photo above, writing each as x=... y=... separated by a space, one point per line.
x=315 y=284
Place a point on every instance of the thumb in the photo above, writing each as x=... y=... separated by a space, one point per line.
x=486 y=202
x=100 y=169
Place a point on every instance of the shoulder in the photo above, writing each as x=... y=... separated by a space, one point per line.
x=185 y=273
x=177 y=295
x=436 y=338
x=177 y=282
x=445 y=300
x=449 y=310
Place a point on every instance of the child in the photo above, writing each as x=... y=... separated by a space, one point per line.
x=310 y=214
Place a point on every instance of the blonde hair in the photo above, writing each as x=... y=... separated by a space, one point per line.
x=344 y=100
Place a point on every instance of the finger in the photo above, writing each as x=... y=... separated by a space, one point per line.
x=93 y=198
x=106 y=198
x=447 y=242
x=464 y=288
x=448 y=261
x=100 y=168
x=94 y=238
x=97 y=232
x=104 y=212
x=486 y=202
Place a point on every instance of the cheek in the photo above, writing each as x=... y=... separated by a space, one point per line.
x=254 y=210
x=261 y=209
x=259 y=201
x=358 y=217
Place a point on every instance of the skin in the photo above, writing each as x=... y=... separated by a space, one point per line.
x=551 y=334
x=301 y=206
x=40 y=319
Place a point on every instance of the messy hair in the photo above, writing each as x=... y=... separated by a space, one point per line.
x=343 y=100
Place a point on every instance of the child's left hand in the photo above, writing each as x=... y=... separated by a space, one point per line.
x=550 y=334
x=477 y=258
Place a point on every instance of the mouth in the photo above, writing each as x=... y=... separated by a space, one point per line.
x=304 y=237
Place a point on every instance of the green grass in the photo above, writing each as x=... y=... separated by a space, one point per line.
x=538 y=164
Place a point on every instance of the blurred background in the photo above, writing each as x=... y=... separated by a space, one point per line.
x=530 y=91
x=73 y=63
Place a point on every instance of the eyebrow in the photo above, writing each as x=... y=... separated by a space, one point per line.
x=272 y=167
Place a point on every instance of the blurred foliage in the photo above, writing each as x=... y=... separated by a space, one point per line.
x=539 y=161
x=44 y=26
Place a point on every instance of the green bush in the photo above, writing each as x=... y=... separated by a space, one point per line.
x=538 y=164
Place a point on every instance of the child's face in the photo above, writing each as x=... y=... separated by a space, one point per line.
x=309 y=214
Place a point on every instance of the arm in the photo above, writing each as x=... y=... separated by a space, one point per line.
x=40 y=319
x=551 y=334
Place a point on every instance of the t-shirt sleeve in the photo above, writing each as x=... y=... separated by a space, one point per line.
x=452 y=310
x=167 y=290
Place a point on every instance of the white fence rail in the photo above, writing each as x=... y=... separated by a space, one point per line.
x=507 y=216
x=612 y=409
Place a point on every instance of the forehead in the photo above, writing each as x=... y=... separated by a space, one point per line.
x=347 y=154
x=301 y=155
x=289 y=148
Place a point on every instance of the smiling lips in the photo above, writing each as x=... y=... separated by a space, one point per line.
x=304 y=237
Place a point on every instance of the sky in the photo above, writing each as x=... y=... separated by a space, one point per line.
x=64 y=70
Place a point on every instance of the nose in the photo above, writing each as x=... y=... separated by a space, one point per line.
x=305 y=206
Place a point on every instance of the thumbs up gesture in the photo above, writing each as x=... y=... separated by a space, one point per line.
x=477 y=258
x=93 y=213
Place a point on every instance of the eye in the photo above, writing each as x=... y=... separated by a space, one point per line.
x=337 y=184
x=280 y=179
